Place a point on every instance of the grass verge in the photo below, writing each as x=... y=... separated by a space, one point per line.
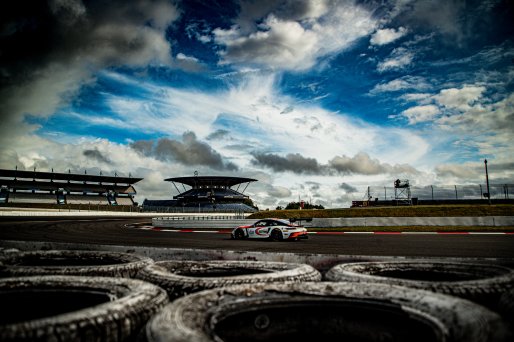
x=407 y=211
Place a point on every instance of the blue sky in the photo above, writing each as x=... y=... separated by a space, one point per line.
x=315 y=99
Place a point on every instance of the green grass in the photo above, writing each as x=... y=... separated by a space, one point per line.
x=406 y=211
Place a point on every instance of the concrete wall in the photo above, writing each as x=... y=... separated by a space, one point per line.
x=214 y=222
x=412 y=221
x=220 y=223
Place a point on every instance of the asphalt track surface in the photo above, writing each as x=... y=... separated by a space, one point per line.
x=115 y=232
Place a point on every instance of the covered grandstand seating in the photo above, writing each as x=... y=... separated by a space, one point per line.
x=28 y=197
x=124 y=201
x=173 y=206
x=210 y=193
x=86 y=199
x=46 y=189
x=207 y=193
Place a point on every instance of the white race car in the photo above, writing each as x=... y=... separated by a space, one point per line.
x=273 y=229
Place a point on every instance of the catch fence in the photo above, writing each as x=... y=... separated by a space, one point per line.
x=446 y=192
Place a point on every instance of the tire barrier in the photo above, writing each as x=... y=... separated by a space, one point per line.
x=8 y=250
x=74 y=308
x=506 y=307
x=85 y=263
x=481 y=283
x=324 y=312
x=179 y=278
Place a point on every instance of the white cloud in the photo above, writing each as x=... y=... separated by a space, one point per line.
x=182 y=57
x=487 y=128
x=293 y=39
x=456 y=171
x=421 y=98
x=420 y=114
x=461 y=99
x=188 y=63
x=399 y=59
x=386 y=36
x=250 y=111
x=402 y=83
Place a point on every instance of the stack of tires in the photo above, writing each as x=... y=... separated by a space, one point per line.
x=81 y=295
x=93 y=295
x=75 y=295
x=448 y=304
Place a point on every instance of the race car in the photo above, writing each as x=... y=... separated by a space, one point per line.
x=273 y=229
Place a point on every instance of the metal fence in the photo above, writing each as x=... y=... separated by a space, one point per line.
x=448 y=192
x=200 y=210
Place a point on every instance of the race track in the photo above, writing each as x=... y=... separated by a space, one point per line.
x=115 y=232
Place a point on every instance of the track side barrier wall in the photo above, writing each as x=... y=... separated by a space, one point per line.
x=225 y=222
x=411 y=221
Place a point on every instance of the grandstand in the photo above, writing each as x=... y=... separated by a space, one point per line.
x=206 y=194
x=48 y=189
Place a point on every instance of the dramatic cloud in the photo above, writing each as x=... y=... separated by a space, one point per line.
x=189 y=151
x=467 y=171
x=294 y=93
x=51 y=48
x=444 y=17
x=218 y=134
x=386 y=36
x=96 y=155
x=293 y=162
x=292 y=34
x=363 y=164
x=278 y=191
x=360 y=164
x=347 y=188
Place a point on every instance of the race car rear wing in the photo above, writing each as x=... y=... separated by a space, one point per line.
x=300 y=219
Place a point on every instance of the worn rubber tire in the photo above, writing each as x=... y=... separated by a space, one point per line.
x=86 y=263
x=74 y=308
x=179 y=278
x=481 y=283
x=325 y=312
x=506 y=307
x=239 y=234
x=276 y=235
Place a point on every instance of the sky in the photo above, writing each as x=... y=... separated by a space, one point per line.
x=316 y=100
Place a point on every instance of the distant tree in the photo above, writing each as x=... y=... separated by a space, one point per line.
x=296 y=205
x=279 y=208
x=293 y=205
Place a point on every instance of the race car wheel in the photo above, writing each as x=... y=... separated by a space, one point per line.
x=86 y=263
x=478 y=282
x=239 y=234
x=324 y=312
x=76 y=308
x=276 y=235
x=179 y=278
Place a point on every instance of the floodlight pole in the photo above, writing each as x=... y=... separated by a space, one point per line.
x=487 y=182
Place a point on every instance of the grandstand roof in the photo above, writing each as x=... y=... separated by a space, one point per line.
x=67 y=176
x=210 y=180
x=72 y=187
